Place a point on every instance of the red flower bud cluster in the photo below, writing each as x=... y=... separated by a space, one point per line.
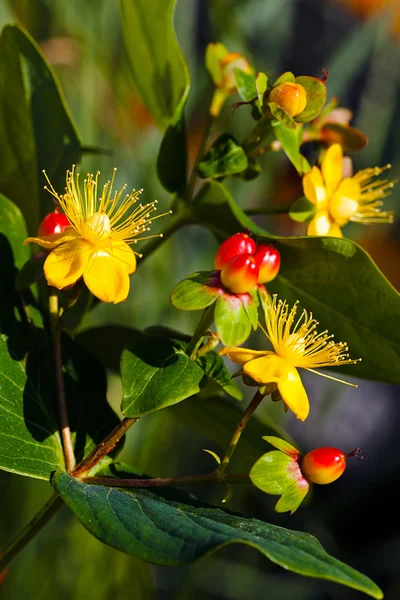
x=243 y=264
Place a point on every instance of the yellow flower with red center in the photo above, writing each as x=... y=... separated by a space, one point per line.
x=96 y=245
x=339 y=200
x=296 y=343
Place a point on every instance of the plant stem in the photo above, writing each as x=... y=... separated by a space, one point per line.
x=28 y=533
x=204 y=324
x=206 y=131
x=214 y=477
x=176 y=223
x=239 y=429
x=62 y=404
x=105 y=446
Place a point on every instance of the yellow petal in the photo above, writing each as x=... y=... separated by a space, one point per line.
x=274 y=369
x=314 y=189
x=52 y=241
x=240 y=356
x=107 y=277
x=332 y=167
x=344 y=202
x=124 y=253
x=66 y=263
x=323 y=225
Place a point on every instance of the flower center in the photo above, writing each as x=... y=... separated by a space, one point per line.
x=96 y=229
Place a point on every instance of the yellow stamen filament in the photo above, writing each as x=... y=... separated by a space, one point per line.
x=371 y=196
x=298 y=342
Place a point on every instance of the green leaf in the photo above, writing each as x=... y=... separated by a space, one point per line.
x=302 y=210
x=277 y=473
x=197 y=291
x=168 y=527
x=172 y=158
x=262 y=132
x=158 y=68
x=291 y=141
x=282 y=116
x=37 y=131
x=284 y=78
x=29 y=441
x=350 y=138
x=261 y=86
x=316 y=98
x=31 y=272
x=234 y=318
x=332 y=277
x=216 y=370
x=155 y=374
x=12 y=226
x=246 y=85
x=225 y=157
x=106 y=343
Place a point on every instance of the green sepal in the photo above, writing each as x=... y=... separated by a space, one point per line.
x=156 y=373
x=197 y=291
x=261 y=86
x=302 y=210
x=246 y=85
x=350 y=138
x=282 y=445
x=225 y=157
x=281 y=115
x=278 y=473
x=286 y=77
x=316 y=98
x=291 y=140
x=234 y=318
x=214 y=54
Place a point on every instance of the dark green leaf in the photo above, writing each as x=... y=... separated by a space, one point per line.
x=216 y=370
x=37 y=131
x=31 y=272
x=234 y=318
x=253 y=170
x=158 y=68
x=246 y=85
x=155 y=374
x=291 y=140
x=171 y=528
x=302 y=210
x=225 y=157
x=350 y=138
x=197 y=291
x=107 y=343
x=12 y=226
x=316 y=97
x=282 y=116
x=172 y=158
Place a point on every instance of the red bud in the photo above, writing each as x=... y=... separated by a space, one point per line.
x=268 y=259
x=239 y=243
x=239 y=275
x=323 y=465
x=54 y=222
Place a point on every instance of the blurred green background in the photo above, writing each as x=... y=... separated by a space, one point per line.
x=358 y=41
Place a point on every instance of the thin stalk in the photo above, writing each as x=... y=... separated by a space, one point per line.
x=213 y=477
x=28 y=533
x=62 y=403
x=176 y=223
x=206 y=131
x=105 y=446
x=203 y=326
x=239 y=429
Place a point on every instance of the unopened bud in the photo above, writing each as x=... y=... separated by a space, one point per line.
x=290 y=96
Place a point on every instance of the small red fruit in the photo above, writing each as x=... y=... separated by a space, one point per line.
x=239 y=243
x=325 y=465
x=269 y=261
x=54 y=222
x=239 y=275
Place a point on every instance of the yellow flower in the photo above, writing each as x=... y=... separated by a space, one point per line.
x=296 y=344
x=95 y=247
x=339 y=200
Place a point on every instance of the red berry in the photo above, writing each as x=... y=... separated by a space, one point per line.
x=269 y=260
x=240 y=243
x=54 y=222
x=323 y=465
x=239 y=275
